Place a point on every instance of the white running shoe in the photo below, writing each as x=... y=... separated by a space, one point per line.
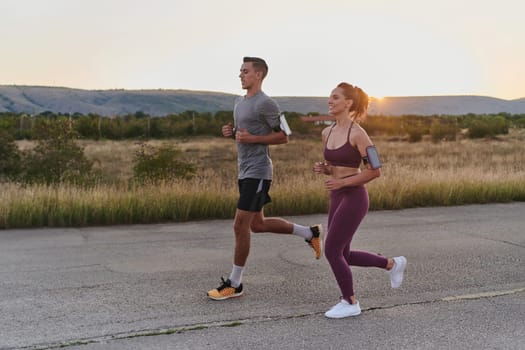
x=396 y=273
x=343 y=309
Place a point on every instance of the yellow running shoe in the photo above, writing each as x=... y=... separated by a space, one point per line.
x=316 y=242
x=225 y=291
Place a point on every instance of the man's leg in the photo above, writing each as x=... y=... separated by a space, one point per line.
x=241 y=229
x=232 y=287
x=272 y=224
x=312 y=234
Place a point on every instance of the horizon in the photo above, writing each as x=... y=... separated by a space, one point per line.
x=228 y=93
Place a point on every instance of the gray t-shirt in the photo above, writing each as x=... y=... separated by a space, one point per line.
x=258 y=114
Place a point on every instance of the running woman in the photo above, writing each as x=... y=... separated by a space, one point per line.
x=346 y=145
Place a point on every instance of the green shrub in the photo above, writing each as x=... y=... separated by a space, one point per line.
x=415 y=134
x=9 y=157
x=443 y=129
x=155 y=165
x=56 y=158
x=415 y=127
x=519 y=122
x=488 y=127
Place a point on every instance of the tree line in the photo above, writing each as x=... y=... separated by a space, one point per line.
x=191 y=123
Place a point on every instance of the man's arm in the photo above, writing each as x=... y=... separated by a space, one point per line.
x=274 y=138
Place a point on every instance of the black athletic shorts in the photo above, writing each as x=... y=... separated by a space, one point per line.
x=253 y=194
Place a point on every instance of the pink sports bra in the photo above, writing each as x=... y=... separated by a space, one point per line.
x=346 y=155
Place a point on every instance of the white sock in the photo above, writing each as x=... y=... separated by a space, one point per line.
x=302 y=231
x=236 y=275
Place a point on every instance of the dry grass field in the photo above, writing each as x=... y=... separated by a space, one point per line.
x=413 y=174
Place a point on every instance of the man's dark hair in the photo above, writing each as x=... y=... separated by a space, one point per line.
x=258 y=64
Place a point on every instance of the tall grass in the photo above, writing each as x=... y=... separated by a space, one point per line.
x=108 y=205
x=413 y=175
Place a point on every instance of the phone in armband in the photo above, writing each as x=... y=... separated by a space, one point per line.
x=284 y=125
x=372 y=157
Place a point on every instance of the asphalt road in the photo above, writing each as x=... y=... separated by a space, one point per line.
x=144 y=286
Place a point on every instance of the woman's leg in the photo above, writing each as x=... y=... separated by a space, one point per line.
x=366 y=259
x=347 y=209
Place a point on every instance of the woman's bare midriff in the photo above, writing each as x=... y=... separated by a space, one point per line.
x=339 y=172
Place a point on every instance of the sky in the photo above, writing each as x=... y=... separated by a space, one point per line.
x=386 y=47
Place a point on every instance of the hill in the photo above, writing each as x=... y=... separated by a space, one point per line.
x=450 y=105
x=37 y=99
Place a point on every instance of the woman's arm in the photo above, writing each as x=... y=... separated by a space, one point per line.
x=362 y=178
x=361 y=141
x=323 y=167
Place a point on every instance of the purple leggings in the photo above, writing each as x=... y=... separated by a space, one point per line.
x=348 y=207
